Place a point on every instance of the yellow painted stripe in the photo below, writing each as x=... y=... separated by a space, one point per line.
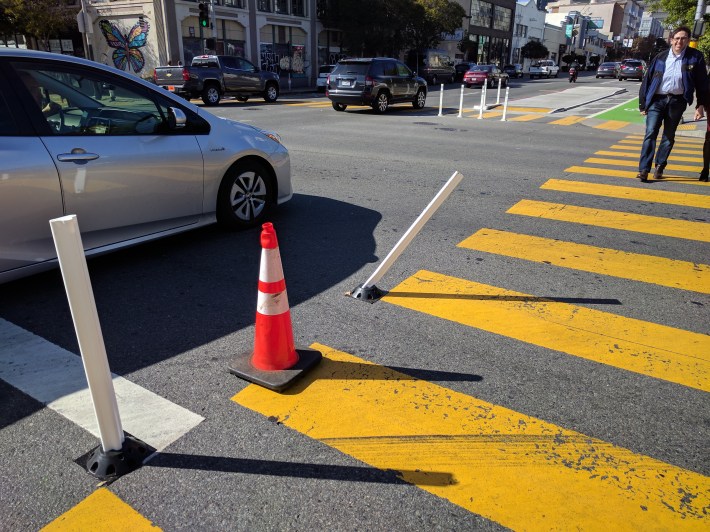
x=636 y=155
x=529 y=109
x=632 y=175
x=636 y=267
x=493 y=114
x=514 y=469
x=101 y=511
x=658 y=351
x=636 y=194
x=635 y=149
x=677 y=144
x=687 y=140
x=568 y=120
x=618 y=162
x=624 y=221
x=612 y=125
x=524 y=118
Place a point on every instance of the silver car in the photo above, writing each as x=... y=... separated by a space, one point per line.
x=130 y=160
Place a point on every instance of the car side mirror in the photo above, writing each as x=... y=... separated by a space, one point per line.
x=176 y=118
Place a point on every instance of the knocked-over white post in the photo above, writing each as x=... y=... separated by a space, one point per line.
x=441 y=99
x=70 y=252
x=505 y=104
x=368 y=288
x=461 y=103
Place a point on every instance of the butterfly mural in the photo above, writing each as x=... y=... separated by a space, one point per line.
x=126 y=51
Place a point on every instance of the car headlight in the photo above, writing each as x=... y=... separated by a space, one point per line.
x=270 y=134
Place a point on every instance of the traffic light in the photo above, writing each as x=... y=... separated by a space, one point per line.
x=204 y=15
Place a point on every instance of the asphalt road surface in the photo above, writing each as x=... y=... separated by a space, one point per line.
x=539 y=361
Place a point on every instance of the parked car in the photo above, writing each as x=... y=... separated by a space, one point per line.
x=135 y=166
x=377 y=82
x=632 y=69
x=322 y=78
x=546 y=68
x=461 y=69
x=490 y=75
x=607 y=70
x=514 y=71
x=212 y=76
x=435 y=66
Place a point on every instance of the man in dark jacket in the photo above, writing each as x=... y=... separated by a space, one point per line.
x=666 y=90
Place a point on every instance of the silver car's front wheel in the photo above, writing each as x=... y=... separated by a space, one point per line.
x=245 y=196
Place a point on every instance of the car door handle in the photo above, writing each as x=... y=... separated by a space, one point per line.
x=77 y=155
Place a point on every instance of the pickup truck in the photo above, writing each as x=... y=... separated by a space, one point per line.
x=544 y=69
x=213 y=76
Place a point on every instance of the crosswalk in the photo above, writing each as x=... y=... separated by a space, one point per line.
x=518 y=470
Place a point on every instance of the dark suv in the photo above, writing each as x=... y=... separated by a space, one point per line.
x=632 y=69
x=377 y=82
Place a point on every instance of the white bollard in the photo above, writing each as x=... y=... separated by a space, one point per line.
x=461 y=103
x=441 y=100
x=505 y=104
x=498 y=95
x=368 y=291
x=70 y=252
x=483 y=101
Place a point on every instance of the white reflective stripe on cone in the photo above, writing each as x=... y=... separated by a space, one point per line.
x=270 y=270
x=272 y=304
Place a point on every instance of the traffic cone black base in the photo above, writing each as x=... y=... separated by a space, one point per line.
x=276 y=380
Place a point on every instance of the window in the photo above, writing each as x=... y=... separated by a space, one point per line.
x=403 y=70
x=298 y=8
x=481 y=13
x=75 y=102
x=263 y=5
x=7 y=124
x=502 y=18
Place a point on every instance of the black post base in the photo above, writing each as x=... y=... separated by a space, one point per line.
x=109 y=465
x=369 y=294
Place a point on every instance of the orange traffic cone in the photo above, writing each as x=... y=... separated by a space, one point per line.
x=275 y=361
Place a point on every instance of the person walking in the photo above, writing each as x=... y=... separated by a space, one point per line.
x=666 y=91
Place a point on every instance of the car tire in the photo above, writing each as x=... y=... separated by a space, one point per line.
x=597 y=77
x=419 y=99
x=271 y=93
x=381 y=103
x=245 y=196
x=621 y=79
x=339 y=106
x=468 y=85
x=211 y=95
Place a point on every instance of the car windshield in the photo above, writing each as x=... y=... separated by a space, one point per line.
x=608 y=65
x=351 y=68
x=325 y=69
x=632 y=63
x=480 y=68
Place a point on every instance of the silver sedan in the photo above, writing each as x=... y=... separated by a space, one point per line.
x=130 y=160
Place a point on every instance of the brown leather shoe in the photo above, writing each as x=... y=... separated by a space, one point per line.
x=658 y=173
x=643 y=176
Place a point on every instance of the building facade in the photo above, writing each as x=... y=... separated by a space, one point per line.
x=529 y=26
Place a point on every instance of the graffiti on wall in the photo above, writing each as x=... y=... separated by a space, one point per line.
x=126 y=47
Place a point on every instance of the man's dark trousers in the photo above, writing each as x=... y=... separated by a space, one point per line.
x=666 y=110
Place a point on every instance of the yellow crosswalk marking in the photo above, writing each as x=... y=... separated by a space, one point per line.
x=568 y=120
x=687 y=140
x=542 y=110
x=619 y=162
x=636 y=194
x=514 y=469
x=678 y=144
x=635 y=149
x=625 y=221
x=524 y=118
x=611 y=172
x=101 y=511
x=636 y=155
x=658 y=351
x=611 y=125
x=637 y=267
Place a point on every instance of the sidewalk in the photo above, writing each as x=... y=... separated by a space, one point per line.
x=569 y=99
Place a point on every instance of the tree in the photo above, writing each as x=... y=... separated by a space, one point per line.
x=682 y=13
x=387 y=27
x=534 y=50
x=40 y=19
